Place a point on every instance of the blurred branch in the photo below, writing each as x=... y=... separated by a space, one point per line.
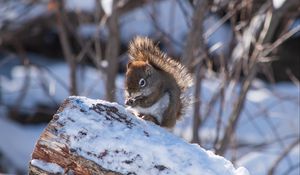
x=220 y=114
x=249 y=147
x=195 y=42
x=112 y=51
x=293 y=77
x=66 y=47
x=45 y=88
x=129 y=5
x=245 y=85
x=161 y=30
x=282 y=156
x=253 y=46
x=26 y=82
x=213 y=100
x=185 y=11
x=194 y=49
x=199 y=73
x=226 y=17
x=50 y=73
x=238 y=106
x=280 y=40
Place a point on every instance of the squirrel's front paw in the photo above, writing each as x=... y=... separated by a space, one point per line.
x=149 y=118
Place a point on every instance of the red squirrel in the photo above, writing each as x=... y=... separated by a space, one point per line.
x=155 y=83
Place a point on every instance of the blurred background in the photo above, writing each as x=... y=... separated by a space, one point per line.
x=244 y=55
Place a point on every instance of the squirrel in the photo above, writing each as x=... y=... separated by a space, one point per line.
x=155 y=83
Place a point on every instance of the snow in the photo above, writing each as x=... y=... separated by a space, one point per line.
x=46 y=166
x=271 y=112
x=18 y=12
x=221 y=38
x=258 y=95
x=260 y=161
x=53 y=76
x=107 y=6
x=278 y=3
x=134 y=145
x=17 y=141
x=80 y=5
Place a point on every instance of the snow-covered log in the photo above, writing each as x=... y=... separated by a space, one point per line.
x=96 y=137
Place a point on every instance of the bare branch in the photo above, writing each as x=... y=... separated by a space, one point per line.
x=234 y=116
x=282 y=156
x=228 y=15
x=293 y=77
x=112 y=51
x=70 y=58
x=197 y=113
x=195 y=41
x=280 y=40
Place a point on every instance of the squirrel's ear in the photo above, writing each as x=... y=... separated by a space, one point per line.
x=129 y=64
x=149 y=69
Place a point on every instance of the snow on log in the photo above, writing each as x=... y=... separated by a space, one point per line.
x=96 y=137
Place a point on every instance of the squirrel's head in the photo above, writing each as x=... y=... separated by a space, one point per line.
x=140 y=80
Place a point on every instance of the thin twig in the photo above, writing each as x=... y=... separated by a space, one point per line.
x=282 y=156
x=26 y=81
x=164 y=33
x=50 y=73
x=195 y=45
x=280 y=40
x=184 y=12
x=220 y=114
x=225 y=18
x=292 y=77
x=42 y=79
x=233 y=119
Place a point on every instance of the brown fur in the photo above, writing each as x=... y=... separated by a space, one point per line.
x=143 y=49
x=162 y=74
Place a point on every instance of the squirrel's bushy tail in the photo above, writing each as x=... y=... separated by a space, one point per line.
x=142 y=48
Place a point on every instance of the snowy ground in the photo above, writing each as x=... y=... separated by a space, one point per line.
x=271 y=112
x=267 y=107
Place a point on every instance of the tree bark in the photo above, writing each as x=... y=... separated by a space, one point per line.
x=52 y=147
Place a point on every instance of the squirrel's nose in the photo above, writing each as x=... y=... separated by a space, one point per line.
x=129 y=102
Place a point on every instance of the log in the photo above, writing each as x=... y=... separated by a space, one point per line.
x=89 y=136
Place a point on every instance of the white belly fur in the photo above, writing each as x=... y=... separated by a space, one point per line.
x=157 y=109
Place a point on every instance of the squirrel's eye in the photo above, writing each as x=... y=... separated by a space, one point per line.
x=142 y=82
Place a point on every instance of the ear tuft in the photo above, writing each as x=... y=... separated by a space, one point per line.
x=129 y=64
x=149 y=69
